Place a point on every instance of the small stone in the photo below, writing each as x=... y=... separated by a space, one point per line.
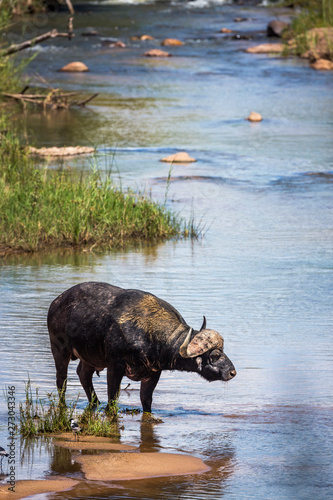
x=266 y=48
x=323 y=65
x=171 y=42
x=76 y=66
x=120 y=44
x=146 y=37
x=240 y=19
x=181 y=157
x=254 y=117
x=225 y=30
x=157 y=53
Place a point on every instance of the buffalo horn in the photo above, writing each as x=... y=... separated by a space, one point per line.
x=202 y=342
x=203 y=324
x=183 y=347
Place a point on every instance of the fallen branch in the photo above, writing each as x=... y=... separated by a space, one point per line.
x=30 y=43
x=83 y=103
x=54 y=99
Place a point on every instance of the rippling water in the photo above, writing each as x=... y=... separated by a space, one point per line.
x=262 y=273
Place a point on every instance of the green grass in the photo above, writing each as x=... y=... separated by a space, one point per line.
x=48 y=415
x=43 y=415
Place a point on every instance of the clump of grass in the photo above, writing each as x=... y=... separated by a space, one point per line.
x=51 y=415
x=40 y=208
x=44 y=415
x=97 y=423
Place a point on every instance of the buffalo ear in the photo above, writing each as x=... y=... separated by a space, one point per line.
x=204 y=341
x=199 y=363
x=203 y=327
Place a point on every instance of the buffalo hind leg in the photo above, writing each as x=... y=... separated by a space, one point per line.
x=115 y=374
x=85 y=373
x=148 y=385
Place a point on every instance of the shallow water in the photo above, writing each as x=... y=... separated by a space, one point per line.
x=262 y=273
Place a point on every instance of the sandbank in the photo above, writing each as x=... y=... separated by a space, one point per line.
x=125 y=466
x=34 y=487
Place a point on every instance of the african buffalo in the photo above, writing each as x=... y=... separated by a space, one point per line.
x=130 y=333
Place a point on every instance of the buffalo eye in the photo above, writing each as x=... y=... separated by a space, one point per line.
x=215 y=356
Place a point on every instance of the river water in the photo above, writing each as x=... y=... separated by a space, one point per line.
x=261 y=272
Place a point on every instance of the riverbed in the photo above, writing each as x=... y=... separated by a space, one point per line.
x=261 y=270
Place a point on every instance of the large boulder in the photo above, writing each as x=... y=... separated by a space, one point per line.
x=320 y=43
x=322 y=64
x=76 y=67
x=276 y=28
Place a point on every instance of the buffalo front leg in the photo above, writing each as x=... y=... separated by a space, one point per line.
x=85 y=373
x=148 y=385
x=115 y=374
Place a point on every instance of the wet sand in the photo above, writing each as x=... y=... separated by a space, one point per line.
x=24 y=489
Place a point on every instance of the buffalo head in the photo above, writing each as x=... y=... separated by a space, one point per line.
x=206 y=347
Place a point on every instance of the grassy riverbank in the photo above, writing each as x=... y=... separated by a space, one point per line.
x=42 y=208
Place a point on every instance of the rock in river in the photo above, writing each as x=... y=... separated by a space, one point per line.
x=322 y=64
x=266 y=48
x=76 y=67
x=254 y=117
x=157 y=53
x=181 y=157
x=65 y=151
x=171 y=42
